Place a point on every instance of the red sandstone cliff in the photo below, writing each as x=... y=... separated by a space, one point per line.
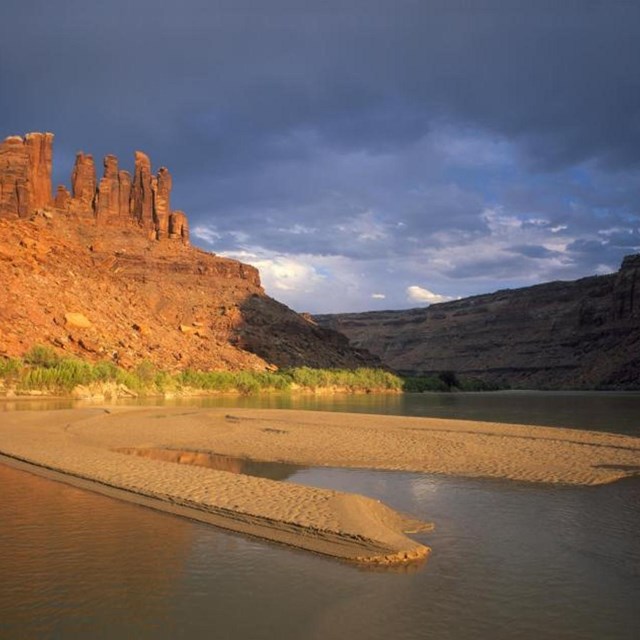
x=106 y=272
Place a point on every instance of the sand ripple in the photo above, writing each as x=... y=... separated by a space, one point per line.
x=80 y=444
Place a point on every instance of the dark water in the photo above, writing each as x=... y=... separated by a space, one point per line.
x=510 y=560
x=616 y=412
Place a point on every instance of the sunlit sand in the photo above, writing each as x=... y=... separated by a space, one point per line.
x=79 y=445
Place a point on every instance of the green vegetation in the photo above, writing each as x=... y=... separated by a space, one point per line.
x=446 y=381
x=351 y=379
x=44 y=369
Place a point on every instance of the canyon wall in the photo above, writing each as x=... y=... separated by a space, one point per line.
x=105 y=272
x=583 y=334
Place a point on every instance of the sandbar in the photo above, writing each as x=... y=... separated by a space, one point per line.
x=80 y=446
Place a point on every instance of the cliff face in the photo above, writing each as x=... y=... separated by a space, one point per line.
x=583 y=334
x=106 y=272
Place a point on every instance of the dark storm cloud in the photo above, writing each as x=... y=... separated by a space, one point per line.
x=368 y=75
x=317 y=127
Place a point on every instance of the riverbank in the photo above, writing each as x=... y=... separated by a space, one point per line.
x=43 y=371
x=80 y=443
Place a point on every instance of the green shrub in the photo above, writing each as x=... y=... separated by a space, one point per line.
x=41 y=356
x=419 y=384
x=449 y=379
x=66 y=374
x=361 y=379
x=147 y=372
x=44 y=369
x=10 y=368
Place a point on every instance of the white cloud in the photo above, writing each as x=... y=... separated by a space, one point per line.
x=378 y=296
x=424 y=296
x=364 y=228
x=298 y=229
x=286 y=273
x=206 y=233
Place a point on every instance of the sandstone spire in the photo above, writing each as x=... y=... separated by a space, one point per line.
x=83 y=185
x=40 y=152
x=161 y=201
x=108 y=197
x=179 y=227
x=25 y=174
x=141 y=193
x=124 y=195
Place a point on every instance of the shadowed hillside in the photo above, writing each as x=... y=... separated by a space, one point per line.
x=560 y=335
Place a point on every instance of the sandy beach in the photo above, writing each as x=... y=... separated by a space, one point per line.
x=80 y=446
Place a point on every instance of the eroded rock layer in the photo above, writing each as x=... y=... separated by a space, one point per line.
x=85 y=273
x=112 y=293
x=560 y=335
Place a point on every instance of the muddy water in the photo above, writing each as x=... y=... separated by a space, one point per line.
x=510 y=560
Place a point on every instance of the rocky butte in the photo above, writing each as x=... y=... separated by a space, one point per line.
x=105 y=271
x=583 y=334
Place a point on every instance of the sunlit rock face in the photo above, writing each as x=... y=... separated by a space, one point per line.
x=25 y=174
x=116 y=199
x=106 y=272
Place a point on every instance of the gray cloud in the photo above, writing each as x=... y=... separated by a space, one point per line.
x=374 y=132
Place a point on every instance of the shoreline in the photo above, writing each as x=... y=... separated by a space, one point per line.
x=77 y=446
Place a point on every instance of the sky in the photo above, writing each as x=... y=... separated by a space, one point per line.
x=363 y=154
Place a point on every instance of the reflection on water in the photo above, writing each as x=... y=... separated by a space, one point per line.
x=71 y=563
x=510 y=560
x=36 y=404
x=247 y=466
x=617 y=412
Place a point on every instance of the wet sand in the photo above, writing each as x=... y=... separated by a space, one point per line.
x=78 y=445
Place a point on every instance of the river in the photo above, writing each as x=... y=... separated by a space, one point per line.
x=510 y=559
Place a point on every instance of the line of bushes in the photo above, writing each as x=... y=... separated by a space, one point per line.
x=446 y=381
x=42 y=368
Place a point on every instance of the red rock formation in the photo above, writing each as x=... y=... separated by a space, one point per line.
x=25 y=174
x=25 y=187
x=63 y=199
x=13 y=177
x=141 y=192
x=83 y=185
x=40 y=152
x=179 y=227
x=104 y=292
x=124 y=194
x=161 y=186
x=107 y=205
